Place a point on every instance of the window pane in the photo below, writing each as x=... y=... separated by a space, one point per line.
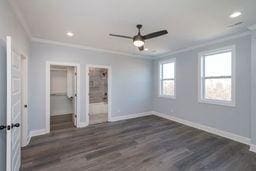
x=218 y=64
x=218 y=89
x=168 y=70
x=168 y=87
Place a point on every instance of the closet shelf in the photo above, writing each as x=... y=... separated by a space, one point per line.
x=59 y=94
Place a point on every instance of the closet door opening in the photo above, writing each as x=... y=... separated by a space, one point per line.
x=62 y=97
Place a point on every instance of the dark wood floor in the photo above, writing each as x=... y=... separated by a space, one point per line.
x=59 y=122
x=148 y=143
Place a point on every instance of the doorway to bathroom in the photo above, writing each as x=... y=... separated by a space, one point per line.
x=98 y=98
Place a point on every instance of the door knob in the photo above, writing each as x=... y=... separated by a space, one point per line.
x=8 y=127
x=2 y=127
x=16 y=125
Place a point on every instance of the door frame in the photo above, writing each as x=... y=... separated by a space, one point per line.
x=24 y=101
x=88 y=66
x=47 y=95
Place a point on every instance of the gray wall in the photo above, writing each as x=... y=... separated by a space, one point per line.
x=2 y=103
x=186 y=106
x=131 y=80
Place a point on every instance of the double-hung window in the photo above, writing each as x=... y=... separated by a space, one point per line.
x=167 y=78
x=217 y=81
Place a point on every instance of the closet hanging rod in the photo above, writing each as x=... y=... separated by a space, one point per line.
x=58 y=69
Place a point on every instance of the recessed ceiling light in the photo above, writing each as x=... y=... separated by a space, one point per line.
x=70 y=34
x=235 y=14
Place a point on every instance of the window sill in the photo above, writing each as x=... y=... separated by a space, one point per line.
x=166 y=97
x=218 y=102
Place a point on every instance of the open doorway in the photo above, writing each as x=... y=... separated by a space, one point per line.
x=62 y=102
x=98 y=94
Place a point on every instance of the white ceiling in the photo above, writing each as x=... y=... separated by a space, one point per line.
x=188 y=22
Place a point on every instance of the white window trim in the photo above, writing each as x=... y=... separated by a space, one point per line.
x=173 y=60
x=201 y=99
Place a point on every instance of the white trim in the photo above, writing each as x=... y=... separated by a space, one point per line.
x=34 y=133
x=47 y=95
x=24 y=116
x=166 y=96
x=28 y=139
x=34 y=39
x=109 y=89
x=160 y=63
x=83 y=124
x=253 y=148
x=201 y=99
x=9 y=103
x=212 y=130
x=208 y=43
x=130 y=116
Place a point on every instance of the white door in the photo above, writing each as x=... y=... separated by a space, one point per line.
x=75 y=97
x=13 y=117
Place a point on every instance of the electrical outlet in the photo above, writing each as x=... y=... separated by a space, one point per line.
x=172 y=111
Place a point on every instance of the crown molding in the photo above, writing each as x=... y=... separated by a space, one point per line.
x=39 y=40
x=20 y=17
x=204 y=44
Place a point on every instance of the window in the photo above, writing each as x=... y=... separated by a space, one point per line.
x=167 y=79
x=217 y=76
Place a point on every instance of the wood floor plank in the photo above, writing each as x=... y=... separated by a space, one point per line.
x=144 y=144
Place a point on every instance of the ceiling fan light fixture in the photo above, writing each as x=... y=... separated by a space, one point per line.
x=139 y=40
x=138 y=43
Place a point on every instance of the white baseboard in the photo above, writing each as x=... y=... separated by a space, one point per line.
x=124 y=117
x=253 y=148
x=82 y=124
x=27 y=141
x=38 y=132
x=225 y=134
x=119 y=118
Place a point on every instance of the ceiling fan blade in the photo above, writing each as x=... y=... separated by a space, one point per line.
x=155 y=34
x=141 y=48
x=116 y=35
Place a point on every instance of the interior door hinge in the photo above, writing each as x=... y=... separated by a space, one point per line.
x=75 y=73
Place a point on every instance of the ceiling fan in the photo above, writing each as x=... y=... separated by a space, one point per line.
x=139 y=40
